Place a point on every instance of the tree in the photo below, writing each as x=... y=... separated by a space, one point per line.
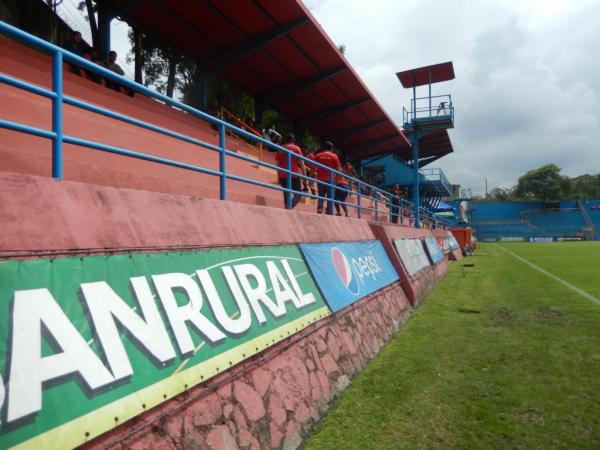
x=90 y=16
x=585 y=187
x=502 y=194
x=158 y=61
x=544 y=183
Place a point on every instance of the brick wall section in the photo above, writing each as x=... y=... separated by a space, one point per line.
x=272 y=401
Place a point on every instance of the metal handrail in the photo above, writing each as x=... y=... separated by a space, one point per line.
x=429 y=109
x=59 y=56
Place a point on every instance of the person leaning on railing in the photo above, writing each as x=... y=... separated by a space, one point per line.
x=328 y=158
x=311 y=171
x=75 y=44
x=297 y=166
x=341 y=193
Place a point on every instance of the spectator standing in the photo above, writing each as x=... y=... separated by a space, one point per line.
x=297 y=166
x=328 y=158
x=341 y=193
x=76 y=44
x=395 y=203
x=311 y=171
x=112 y=63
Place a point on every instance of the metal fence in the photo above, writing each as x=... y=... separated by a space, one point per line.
x=381 y=203
x=436 y=106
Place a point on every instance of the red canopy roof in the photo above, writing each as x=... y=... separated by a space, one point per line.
x=420 y=76
x=276 y=51
x=432 y=146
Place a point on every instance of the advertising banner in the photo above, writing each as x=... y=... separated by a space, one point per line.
x=541 y=239
x=412 y=254
x=348 y=271
x=433 y=250
x=444 y=244
x=90 y=342
x=511 y=239
x=453 y=243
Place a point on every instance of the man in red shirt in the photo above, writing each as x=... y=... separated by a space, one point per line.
x=311 y=171
x=329 y=159
x=297 y=166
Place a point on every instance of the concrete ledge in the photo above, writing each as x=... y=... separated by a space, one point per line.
x=41 y=214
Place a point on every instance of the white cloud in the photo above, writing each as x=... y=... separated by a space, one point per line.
x=526 y=91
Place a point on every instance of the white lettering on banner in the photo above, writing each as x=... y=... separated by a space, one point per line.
x=234 y=326
x=106 y=307
x=366 y=266
x=257 y=294
x=190 y=312
x=305 y=299
x=29 y=369
x=282 y=290
x=36 y=311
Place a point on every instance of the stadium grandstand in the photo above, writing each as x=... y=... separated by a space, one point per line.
x=163 y=261
x=535 y=221
x=280 y=56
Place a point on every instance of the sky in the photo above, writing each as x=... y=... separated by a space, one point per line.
x=527 y=87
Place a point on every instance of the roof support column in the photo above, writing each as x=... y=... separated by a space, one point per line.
x=201 y=94
x=105 y=17
x=259 y=110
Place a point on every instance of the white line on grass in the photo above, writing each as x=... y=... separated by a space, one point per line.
x=554 y=277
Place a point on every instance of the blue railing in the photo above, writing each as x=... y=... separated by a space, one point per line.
x=398 y=209
x=436 y=106
x=437 y=174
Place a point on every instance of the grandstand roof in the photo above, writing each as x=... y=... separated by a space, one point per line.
x=420 y=76
x=432 y=146
x=276 y=51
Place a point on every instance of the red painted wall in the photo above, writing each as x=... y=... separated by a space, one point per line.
x=41 y=214
x=270 y=401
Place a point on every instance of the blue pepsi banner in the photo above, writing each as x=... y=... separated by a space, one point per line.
x=434 y=250
x=348 y=271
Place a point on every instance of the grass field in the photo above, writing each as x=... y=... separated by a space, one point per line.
x=505 y=357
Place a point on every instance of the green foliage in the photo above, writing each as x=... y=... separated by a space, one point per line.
x=547 y=184
x=502 y=194
x=585 y=187
x=160 y=64
x=544 y=183
x=502 y=358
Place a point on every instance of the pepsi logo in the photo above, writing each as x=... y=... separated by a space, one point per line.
x=344 y=271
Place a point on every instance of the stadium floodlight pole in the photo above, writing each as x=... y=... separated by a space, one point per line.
x=486 y=191
x=416 y=199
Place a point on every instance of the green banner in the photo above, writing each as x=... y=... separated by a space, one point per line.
x=90 y=342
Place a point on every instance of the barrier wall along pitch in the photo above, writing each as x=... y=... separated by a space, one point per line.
x=88 y=343
x=348 y=271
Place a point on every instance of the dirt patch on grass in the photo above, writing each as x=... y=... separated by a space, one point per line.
x=503 y=315
x=547 y=313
